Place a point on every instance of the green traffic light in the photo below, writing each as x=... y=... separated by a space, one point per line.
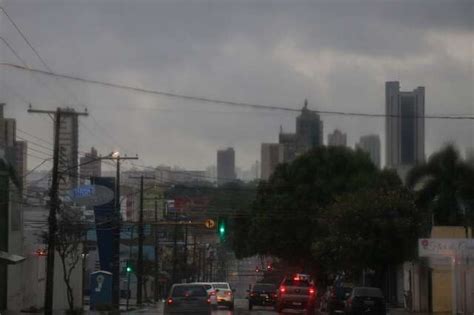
x=222 y=229
x=129 y=269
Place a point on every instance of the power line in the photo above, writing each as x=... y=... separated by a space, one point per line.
x=26 y=40
x=33 y=136
x=222 y=102
x=13 y=51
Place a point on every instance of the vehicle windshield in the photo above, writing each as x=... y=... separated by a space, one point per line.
x=234 y=144
x=224 y=286
x=264 y=287
x=189 y=291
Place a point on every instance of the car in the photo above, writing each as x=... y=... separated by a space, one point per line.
x=297 y=292
x=335 y=300
x=188 y=299
x=224 y=294
x=262 y=294
x=366 y=300
x=210 y=291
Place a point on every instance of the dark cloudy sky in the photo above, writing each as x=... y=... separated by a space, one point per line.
x=338 y=54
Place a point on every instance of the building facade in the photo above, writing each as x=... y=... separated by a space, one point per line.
x=371 y=145
x=271 y=156
x=337 y=138
x=68 y=149
x=90 y=166
x=405 y=126
x=225 y=166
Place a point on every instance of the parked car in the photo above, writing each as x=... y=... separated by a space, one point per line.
x=337 y=297
x=188 y=299
x=366 y=300
x=262 y=294
x=297 y=292
x=224 y=294
x=210 y=291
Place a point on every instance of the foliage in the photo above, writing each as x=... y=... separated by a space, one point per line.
x=369 y=229
x=288 y=206
x=445 y=185
x=69 y=237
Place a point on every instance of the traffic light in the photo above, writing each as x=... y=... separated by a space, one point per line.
x=222 y=228
x=269 y=267
x=129 y=269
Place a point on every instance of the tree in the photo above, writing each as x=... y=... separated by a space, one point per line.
x=445 y=185
x=371 y=229
x=69 y=238
x=287 y=207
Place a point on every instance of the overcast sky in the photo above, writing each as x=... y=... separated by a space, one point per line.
x=337 y=54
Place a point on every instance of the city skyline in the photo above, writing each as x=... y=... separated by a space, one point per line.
x=312 y=57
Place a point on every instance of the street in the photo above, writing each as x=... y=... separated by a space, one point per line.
x=241 y=308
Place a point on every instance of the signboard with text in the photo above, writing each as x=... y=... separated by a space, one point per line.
x=447 y=247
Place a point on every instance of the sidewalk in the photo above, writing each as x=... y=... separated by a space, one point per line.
x=401 y=311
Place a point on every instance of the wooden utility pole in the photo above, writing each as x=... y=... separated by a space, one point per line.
x=157 y=250
x=141 y=237
x=53 y=207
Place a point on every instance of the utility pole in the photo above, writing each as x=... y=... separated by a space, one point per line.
x=194 y=257
x=141 y=237
x=157 y=249
x=54 y=207
x=175 y=249
x=116 y=238
x=185 y=269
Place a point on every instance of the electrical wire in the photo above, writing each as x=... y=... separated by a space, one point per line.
x=223 y=102
x=14 y=52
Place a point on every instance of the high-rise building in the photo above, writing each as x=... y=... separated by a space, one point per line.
x=68 y=147
x=90 y=166
x=309 y=135
x=309 y=130
x=225 y=166
x=21 y=149
x=337 y=138
x=271 y=156
x=371 y=145
x=405 y=126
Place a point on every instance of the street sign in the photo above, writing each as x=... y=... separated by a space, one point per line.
x=448 y=247
x=210 y=224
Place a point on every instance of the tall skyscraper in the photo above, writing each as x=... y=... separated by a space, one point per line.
x=225 y=166
x=405 y=126
x=337 y=138
x=68 y=147
x=309 y=130
x=90 y=166
x=371 y=145
x=271 y=156
x=309 y=135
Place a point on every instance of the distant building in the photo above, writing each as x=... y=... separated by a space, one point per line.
x=15 y=152
x=225 y=166
x=21 y=149
x=68 y=149
x=309 y=130
x=405 y=126
x=371 y=145
x=309 y=135
x=90 y=166
x=271 y=156
x=337 y=138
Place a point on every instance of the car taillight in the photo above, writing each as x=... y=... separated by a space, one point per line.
x=252 y=294
x=312 y=291
x=169 y=301
x=213 y=293
x=208 y=301
x=229 y=293
x=282 y=289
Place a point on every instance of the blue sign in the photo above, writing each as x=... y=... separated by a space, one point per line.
x=91 y=195
x=100 y=290
x=106 y=227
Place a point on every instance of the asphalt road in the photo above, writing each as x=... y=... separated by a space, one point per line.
x=241 y=308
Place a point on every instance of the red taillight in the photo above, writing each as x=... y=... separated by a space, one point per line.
x=213 y=293
x=169 y=301
x=253 y=294
x=208 y=301
x=296 y=278
x=229 y=293
x=282 y=289
x=312 y=291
